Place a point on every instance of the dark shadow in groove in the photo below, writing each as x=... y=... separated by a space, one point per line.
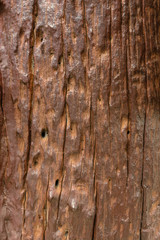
x=2 y=7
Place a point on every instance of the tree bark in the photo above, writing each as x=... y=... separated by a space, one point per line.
x=80 y=120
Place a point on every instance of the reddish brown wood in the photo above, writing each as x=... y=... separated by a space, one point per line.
x=80 y=120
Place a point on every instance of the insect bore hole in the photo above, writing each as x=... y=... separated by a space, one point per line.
x=57 y=183
x=35 y=162
x=66 y=233
x=44 y=133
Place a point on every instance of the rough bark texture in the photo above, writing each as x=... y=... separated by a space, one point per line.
x=80 y=119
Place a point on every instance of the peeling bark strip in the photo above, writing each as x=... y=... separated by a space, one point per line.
x=79 y=120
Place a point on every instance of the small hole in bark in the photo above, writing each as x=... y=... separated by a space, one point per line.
x=39 y=35
x=57 y=183
x=35 y=162
x=128 y=132
x=44 y=133
x=66 y=233
x=60 y=59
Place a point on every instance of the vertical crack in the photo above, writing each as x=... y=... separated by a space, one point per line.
x=1 y=93
x=85 y=26
x=31 y=80
x=95 y=190
x=121 y=19
x=5 y=228
x=91 y=113
x=45 y=217
x=128 y=125
x=95 y=218
x=144 y=129
x=3 y=167
x=128 y=91
x=64 y=112
x=142 y=174
x=110 y=77
x=64 y=142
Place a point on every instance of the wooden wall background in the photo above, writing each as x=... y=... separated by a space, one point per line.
x=80 y=119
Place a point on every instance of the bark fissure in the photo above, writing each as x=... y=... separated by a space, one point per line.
x=64 y=112
x=91 y=113
x=128 y=91
x=4 y=122
x=45 y=217
x=128 y=130
x=121 y=19
x=64 y=142
x=3 y=112
x=31 y=80
x=144 y=129
x=95 y=218
x=95 y=190
x=1 y=90
x=2 y=7
x=6 y=230
x=86 y=31
x=142 y=175
x=110 y=79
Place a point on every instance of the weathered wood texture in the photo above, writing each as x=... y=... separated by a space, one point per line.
x=80 y=119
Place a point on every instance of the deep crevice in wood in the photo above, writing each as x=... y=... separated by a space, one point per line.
x=128 y=124
x=64 y=112
x=110 y=80
x=142 y=186
x=63 y=155
x=95 y=190
x=31 y=80
x=95 y=217
x=2 y=7
x=45 y=211
x=144 y=129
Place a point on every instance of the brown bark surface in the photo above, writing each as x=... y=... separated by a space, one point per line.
x=80 y=120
